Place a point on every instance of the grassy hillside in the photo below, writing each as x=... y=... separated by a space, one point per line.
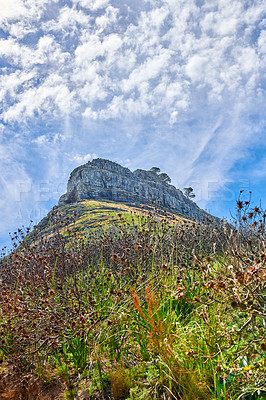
x=120 y=302
x=88 y=215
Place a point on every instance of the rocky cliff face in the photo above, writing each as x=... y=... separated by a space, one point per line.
x=105 y=180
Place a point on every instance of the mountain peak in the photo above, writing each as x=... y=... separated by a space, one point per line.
x=102 y=179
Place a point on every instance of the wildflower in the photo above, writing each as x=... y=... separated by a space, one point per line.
x=239 y=204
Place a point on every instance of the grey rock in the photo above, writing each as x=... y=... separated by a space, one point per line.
x=101 y=179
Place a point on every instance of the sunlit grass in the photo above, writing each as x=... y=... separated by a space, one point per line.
x=140 y=308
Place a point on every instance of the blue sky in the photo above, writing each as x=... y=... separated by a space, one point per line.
x=177 y=84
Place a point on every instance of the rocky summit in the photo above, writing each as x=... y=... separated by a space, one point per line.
x=101 y=179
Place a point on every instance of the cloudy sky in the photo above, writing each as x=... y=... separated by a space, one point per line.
x=177 y=84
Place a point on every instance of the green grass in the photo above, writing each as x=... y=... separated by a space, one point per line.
x=134 y=305
x=88 y=215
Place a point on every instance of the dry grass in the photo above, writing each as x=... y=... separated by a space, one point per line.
x=145 y=308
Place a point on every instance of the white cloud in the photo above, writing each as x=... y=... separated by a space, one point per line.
x=11 y=9
x=112 y=61
x=150 y=69
x=189 y=77
x=92 y=4
x=196 y=68
x=19 y=29
x=49 y=138
x=20 y=17
x=227 y=26
x=82 y=159
x=88 y=113
x=87 y=52
x=247 y=60
x=112 y=44
x=262 y=43
x=15 y=53
x=9 y=85
x=21 y=56
x=224 y=19
x=108 y=18
x=69 y=21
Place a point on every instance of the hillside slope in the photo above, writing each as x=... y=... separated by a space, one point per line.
x=87 y=215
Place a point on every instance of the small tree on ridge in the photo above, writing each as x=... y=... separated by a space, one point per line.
x=188 y=192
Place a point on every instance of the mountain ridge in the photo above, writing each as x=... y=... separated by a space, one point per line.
x=102 y=179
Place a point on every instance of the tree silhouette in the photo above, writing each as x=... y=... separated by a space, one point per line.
x=155 y=169
x=188 y=192
x=164 y=177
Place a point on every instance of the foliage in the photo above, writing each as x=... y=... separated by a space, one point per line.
x=164 y=177
x=155 y=169
x=149 y=307
x=188 y=192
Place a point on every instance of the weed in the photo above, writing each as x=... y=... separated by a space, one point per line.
x=147 y=303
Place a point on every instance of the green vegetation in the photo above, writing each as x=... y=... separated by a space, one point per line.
x=93 y=214
x=137 y=306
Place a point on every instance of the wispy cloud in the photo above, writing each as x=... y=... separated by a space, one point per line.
x=178 y=84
